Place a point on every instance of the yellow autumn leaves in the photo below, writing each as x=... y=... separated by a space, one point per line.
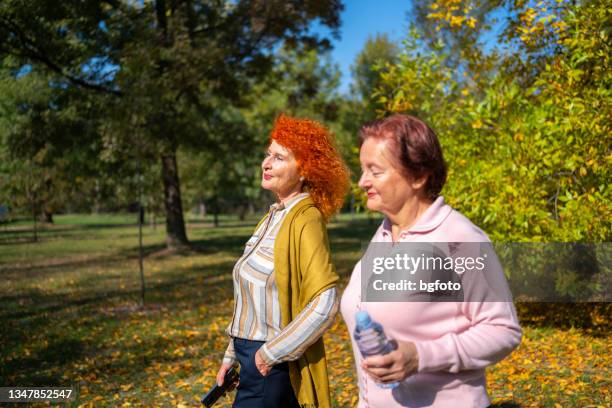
x=455 y=13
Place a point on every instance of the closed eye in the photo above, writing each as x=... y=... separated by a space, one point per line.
x=375 y=171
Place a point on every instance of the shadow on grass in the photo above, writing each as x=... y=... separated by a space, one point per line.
x=59 y=266
x=227 y=244
x=94 y=315
x=175 y=284
x=25 y=235
x=36 y=367
x=219 y=241
x=359 y=231
x=593 y=317
x=225 y=224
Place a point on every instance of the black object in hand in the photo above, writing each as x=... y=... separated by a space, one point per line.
x=231 y=376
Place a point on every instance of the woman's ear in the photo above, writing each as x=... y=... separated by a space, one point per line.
x=420 y=182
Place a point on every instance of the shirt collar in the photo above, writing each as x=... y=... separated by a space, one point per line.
x=428 y=221
x=287 y=206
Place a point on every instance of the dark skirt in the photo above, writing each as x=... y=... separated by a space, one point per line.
x=257 y=391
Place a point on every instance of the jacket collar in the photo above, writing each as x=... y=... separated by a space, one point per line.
x=429 y=220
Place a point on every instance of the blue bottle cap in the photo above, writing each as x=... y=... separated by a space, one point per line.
x=363 y=319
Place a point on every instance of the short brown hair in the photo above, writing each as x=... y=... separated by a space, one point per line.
x=415 y=147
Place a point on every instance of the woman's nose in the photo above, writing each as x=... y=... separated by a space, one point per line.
x=364 y=181
x=265 y=164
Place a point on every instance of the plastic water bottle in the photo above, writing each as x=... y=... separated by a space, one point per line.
x=371 y=339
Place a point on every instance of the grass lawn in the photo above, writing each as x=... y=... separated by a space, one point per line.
x=69 y=316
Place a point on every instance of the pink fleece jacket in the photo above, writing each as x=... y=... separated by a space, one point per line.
x=455 y=341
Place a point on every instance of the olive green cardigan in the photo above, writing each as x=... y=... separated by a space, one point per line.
x=303 y=269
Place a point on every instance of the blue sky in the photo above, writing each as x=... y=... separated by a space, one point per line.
x=363 y=18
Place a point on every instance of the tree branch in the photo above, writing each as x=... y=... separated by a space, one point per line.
x=30 y=50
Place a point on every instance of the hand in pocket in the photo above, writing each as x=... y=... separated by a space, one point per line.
x=261 y=365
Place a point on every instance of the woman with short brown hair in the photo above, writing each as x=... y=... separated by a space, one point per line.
x=443 y=348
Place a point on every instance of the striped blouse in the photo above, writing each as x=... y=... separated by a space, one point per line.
x=256 y=304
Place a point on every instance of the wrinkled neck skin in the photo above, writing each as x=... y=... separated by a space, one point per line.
x=407 y=215
x=285 y=197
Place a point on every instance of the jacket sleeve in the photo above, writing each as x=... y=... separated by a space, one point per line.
x=493 y=330
x=493 y=334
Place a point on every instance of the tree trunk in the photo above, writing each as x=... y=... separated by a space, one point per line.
x=251 y=210
x=216 y=218
x=97 y=199
x=46 y=217
x=35 y=223
x=202 y=209
x=175 y=224
x=242 y=212
x=153 y=219
x=141 y=214
x=141 y=220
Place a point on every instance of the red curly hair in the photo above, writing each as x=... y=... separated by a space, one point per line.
x=319 y=162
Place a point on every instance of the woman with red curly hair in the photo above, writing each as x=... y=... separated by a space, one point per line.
x=285 y=283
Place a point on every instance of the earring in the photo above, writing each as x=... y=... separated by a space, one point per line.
x=301 y=178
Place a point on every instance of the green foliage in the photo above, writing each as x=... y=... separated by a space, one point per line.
x=48 y=139
x=378 y=51
x=529 y=151
x=378 y=54
x=163 y=77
